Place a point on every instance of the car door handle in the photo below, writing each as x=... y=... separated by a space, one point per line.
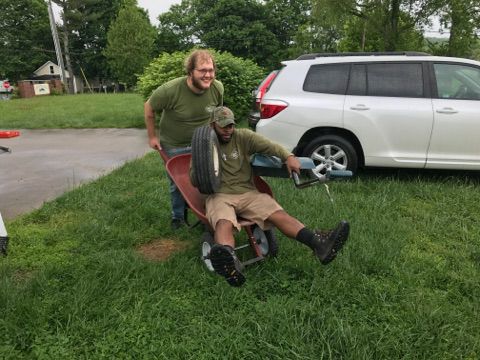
x=447 y=110
x=359 y=107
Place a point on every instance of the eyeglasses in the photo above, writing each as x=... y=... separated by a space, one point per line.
x=206 y=71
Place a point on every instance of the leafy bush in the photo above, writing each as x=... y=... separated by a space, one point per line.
x=56 y=92
x=239 y=77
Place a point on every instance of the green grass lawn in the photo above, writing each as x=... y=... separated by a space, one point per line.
x=73 y=111
x=406 y=285
x=75 y=285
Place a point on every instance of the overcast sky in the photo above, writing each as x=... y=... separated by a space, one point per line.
x=156 y=7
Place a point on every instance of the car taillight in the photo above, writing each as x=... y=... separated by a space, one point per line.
x=269 y=110
x=6 y=84
x=264 y=87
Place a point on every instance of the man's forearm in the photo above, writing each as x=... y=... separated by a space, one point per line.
x=150 y=125
x=149 y=117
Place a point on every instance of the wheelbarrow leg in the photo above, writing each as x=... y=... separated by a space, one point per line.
x=253 y=242
x=3 y=238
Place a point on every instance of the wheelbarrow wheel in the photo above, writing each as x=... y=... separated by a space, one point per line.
x=207 y=243
x=206 y=160
x=266 y=240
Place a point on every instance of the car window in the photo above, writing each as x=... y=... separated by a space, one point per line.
x=457 y=81
x=395 y=79
x=328 y=78
x=358 y=80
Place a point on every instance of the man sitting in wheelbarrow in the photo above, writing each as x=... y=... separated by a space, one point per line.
x=237 y=196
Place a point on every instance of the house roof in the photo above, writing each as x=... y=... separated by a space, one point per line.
x=48 y=63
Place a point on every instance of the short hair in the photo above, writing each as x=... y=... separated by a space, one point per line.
x=196 y=56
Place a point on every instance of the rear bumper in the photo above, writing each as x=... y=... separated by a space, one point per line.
x=253 y=119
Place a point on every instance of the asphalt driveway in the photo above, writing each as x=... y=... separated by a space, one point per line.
x=44 y=164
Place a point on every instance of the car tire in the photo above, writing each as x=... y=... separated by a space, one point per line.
x=331 y=152
x=206 y=160
x=266 y=240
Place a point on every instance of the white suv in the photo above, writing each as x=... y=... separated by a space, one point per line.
x=391 y=110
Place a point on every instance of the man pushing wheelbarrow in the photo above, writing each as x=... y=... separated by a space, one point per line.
x=236 y=196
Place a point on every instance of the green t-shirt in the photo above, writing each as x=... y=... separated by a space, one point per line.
x=181 y=110
x=237 y=174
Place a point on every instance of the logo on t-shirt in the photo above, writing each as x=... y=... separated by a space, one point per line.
x=234 y=155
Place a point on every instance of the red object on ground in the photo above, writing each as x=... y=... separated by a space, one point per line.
x=9 y=133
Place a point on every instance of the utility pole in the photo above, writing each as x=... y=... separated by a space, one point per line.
x=56 y=42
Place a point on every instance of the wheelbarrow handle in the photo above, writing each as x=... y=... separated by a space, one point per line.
x=302 y=185
x=329 y=175
x=164 y=155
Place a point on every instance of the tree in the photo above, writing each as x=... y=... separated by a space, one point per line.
x=92 y=22
x=321 y=33
x=376 y=35
x=377 y=25
x=262 y=31
x=239 y=27
x=130 y=44
x=25 y=38
x=289 y=21
x=177 y=28
x=84 y=33
x=463 y=19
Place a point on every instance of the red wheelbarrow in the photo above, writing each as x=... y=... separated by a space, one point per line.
x=261 y=242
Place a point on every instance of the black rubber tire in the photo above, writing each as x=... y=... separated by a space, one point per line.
x=331 y=152
x=207 y=243
x=270 y=247
x=3 y=245
x=206 y=160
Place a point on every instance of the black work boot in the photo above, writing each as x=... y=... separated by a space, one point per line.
x=177 y=224
x=326 y=244
x=226 y=264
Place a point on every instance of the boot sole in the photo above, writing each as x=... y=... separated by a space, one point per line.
x=225 y=265
x=341 y=236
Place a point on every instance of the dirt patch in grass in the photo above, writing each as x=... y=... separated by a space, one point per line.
x=160 y=250
x=21 y=276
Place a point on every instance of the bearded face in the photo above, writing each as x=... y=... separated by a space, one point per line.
x=202 y=75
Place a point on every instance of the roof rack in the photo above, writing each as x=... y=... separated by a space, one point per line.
x=380 y=53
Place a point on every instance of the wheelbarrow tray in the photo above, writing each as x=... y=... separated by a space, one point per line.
x=178 y=167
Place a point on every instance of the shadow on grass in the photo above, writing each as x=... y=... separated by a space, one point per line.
x=424 y=175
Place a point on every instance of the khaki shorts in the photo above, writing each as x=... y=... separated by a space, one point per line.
x=253 y=205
